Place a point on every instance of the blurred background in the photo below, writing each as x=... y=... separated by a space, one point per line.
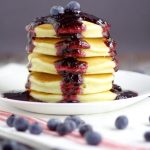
x=129 y=19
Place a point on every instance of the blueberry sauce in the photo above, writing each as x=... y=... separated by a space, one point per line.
x=123 y=94
x=71 y=48
x=112 y=46
x=71 y=97
x=30 y=46
x=20 y=96
x=71 y=70
x=71 y=65
x=69 y=23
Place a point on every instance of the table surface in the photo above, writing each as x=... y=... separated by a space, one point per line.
x=137 y=114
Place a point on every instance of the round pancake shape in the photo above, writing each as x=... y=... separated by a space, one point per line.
x=46 y=64
x=83 y=98
x=49 y=83
x=97 y=47
x=92 y=31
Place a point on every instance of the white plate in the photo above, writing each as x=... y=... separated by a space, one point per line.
x=13 y=77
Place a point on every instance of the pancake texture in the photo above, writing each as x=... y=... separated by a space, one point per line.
x=97 y=47
x=47 y=30
x=46 y=64
x=55 y=98
x=49 y=83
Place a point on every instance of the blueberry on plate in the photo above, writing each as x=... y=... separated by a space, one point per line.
x=52 y=124
x=72 y=6
x=147 y=136
x=21 y=124
x=93 y=138
x=84 y=129
x=78 y=121
x=121 y=122
x=10 y=120
x=35 y=128
x=56 y=10
x=63 y=129
x=72 y=124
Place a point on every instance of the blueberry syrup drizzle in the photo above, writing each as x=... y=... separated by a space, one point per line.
x=112 y=46
x=71 y=65
x=72 y=71
x=71 y=48
x=68 y=26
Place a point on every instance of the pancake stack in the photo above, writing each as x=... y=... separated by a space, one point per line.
x=71 y=57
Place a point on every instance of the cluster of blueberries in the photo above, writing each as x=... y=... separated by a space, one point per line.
x=21 y=124
x=70 y=124
x=70 y=7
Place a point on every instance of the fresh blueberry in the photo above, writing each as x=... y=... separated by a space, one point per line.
x=35 y=128
x=147 y=136
x=73 y=5
x=10 y=120
x=21 y=124
x=63 y=129
x=52 y=124
x=93 y=138
x=56 y=10
x=10 y=145
x=76 y=119
x=72 y=125
x=84 y=129
x=121 y=122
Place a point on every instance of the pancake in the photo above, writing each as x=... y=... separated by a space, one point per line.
x=91 y=65
x=49 y=83
x=97 y=47
x=92 y=30
x=53 y=98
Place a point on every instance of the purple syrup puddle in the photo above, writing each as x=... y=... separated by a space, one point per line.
x=21 y=96
x=25 y=96
x=123 y=94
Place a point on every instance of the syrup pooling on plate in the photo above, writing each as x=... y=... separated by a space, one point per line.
x=123 y=94
x=25 y=96
x=21 y=96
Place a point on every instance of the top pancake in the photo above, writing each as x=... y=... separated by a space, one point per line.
x=47 y=30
